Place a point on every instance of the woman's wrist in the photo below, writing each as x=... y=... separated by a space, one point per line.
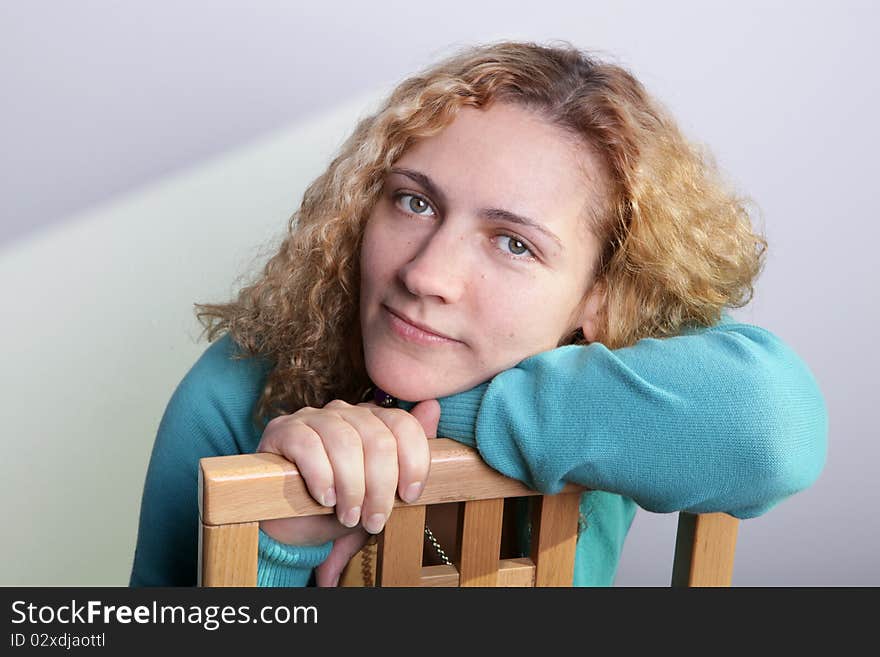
x=275 y=554
x=301 y=532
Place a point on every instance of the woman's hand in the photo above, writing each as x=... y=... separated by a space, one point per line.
x=353 y=458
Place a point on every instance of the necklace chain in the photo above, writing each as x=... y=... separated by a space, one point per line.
x=433 y=541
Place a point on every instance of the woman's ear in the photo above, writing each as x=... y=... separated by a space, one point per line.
x=590 y=310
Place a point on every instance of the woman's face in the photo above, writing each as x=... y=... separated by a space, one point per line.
x=444 y=249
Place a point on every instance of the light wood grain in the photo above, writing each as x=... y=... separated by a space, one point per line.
x=481 y=542
x=554 y=539
x=228 y=555
x=253 y=487
x=399 y=553
x=705 y=547
x=438 y=576
x=236 y=492
x=516 y=572
x=511 y=572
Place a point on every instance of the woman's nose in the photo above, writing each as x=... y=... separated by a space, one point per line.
x=438 y=267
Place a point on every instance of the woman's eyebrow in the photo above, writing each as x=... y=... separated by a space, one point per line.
x=491 y=214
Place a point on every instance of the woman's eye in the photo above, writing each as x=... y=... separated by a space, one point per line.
x=415 y=205
x=511 y=245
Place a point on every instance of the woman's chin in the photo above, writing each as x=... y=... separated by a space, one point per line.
x=408 y=385
x=411 y=392
x=416 y=389
x=404 y=377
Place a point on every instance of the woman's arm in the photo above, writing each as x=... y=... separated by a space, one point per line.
x=208 y=415
x=726 y=418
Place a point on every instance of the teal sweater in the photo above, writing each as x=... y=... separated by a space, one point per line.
x=726 y=418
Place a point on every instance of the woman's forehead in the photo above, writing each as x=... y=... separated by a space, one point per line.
x=507 y=154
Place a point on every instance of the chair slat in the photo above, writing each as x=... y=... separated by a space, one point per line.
x=399 y=553
x=228 y=554
x=481 y=542
x=554 y=539
x=518 y=572
x=439 y=575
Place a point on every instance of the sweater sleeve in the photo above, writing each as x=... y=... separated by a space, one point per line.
x=207 y=415
x=725 y=418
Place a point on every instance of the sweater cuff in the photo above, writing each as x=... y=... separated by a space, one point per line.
x=281 y=564
x=458 y=415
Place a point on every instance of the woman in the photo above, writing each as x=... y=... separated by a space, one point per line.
x=524 y=235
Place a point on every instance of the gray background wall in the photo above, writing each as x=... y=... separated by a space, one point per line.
x=151 y=153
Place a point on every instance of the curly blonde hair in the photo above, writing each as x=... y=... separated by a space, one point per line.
x=678 y=242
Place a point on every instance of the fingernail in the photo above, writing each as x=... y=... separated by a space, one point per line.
x=375 y=523
x=329 y=497
x=351 y=517
x=412 y=492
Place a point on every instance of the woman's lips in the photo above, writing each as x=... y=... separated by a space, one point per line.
x=407 y=331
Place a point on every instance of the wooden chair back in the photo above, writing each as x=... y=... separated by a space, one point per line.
x=236 y=492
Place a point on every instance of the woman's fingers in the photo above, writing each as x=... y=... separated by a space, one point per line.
x=379 y=462
x=289 y=436
x=357 y=457
x=343 y=445
x=413 y=454
x=428 y=414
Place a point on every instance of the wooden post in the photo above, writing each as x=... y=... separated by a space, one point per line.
x=481 y=542
x=399 y=559
x=705 y=545
x=554 y=539
x=228 y=554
